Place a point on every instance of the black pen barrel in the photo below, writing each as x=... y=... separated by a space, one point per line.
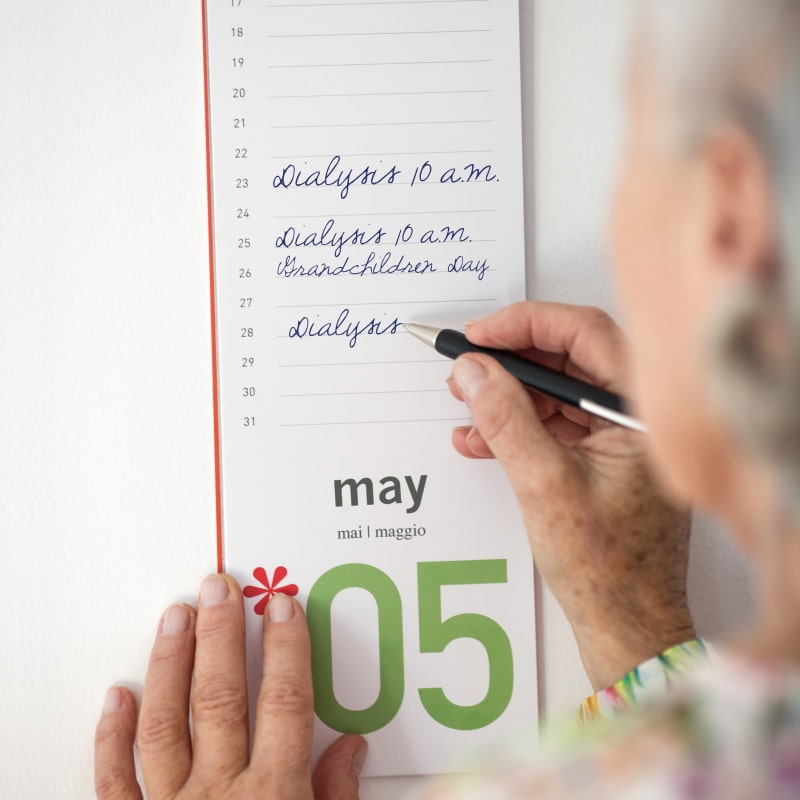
x=548 y=381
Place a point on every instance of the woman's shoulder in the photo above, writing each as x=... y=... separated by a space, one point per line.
x=731 y=730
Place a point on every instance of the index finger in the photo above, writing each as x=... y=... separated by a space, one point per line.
x=284 y=712
x=583 y=341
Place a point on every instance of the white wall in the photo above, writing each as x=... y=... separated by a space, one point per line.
x=106 y=505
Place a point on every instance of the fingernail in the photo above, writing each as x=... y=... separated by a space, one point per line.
x=470 y=376
x=454 y=388
x=359 y=757
x=175 y=620
x=472 y=431
x=213 y=591
x=113 y=701
x=280 y=608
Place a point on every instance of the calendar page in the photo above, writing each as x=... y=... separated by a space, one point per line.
x=365 y=171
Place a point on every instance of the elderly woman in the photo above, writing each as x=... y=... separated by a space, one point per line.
x=707 y=237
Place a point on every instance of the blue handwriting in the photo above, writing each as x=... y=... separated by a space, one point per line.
x=293 y=177
x=387 y=264
x=328 y=237
x=343 y=326
x=460 y=264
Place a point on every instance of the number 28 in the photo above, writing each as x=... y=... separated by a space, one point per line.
x=435 y=634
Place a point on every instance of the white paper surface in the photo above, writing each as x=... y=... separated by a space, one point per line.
x=366 y=170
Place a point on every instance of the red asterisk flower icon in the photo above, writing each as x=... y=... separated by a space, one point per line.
x=269 y=588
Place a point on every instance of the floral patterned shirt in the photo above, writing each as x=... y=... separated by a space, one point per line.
x=728 y=730
x=653 y=679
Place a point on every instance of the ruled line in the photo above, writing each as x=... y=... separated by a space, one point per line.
x=383 y=124
x=381 y=64
x=377 y=94
x=374 y=33
x=360 y=394
x=373 y=3
x=359 y=155
x=404 y=245
x=370 y=422
x=387 y=213
x=395 y=303
x=359 y=364
x=429 y=185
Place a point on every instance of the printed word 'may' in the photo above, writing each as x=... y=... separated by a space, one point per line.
x=390 y=493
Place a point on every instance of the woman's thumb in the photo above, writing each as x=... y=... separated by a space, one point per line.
x=506 y=418
x=336 y=775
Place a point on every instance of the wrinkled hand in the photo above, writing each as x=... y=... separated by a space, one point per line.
x=612 y=550
x=198 y=661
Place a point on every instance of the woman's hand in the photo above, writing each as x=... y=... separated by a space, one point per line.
x=198 y=662
x=612 y=550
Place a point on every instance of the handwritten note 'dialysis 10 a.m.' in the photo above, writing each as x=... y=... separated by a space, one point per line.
x=365 y=170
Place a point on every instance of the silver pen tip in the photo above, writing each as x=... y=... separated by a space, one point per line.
x=425 y=333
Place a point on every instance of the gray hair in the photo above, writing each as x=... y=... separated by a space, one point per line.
x=738 y=61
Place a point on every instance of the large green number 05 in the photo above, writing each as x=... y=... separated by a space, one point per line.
x=390 y=648
x=436 y=633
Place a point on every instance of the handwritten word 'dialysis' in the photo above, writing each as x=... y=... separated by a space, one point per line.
x=335 y=175
x=351 y=329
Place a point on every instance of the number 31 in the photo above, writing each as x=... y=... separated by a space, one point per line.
x=435 y=634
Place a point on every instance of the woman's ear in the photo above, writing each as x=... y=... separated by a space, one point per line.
x=740 y=232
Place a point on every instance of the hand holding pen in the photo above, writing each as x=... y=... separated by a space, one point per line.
x=586 y=490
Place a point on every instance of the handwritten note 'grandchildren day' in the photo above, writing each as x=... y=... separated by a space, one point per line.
x=365 y=170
